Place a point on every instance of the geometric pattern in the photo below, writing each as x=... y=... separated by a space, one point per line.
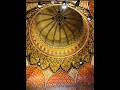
x=68 y=70
x=35 y=77
x=85 y=75
x=58 y=58
x=60 y=78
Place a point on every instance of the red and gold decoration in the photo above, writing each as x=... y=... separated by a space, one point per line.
x=59 y=46
x=34 y=78
x=85 y=75
x=57 y=39
x=60 y=78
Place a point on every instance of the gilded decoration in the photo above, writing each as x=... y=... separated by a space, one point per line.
x=63 y=51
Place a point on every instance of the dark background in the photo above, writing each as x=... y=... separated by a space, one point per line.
x=13 y=44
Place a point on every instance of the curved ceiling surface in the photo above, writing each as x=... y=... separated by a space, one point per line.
x=58 y=27
x=58 y=32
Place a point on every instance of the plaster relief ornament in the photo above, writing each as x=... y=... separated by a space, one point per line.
x=58 y=38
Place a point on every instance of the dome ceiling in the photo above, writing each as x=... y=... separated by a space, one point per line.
x=56 y=32
x=59 y=47
x=58 y=38
x=57 y=27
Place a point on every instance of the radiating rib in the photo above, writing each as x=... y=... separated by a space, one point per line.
x=69 y=13
x=50 y=10
x=59 y=34
x=73 y=19
x=72 y=25
x=45 y=14
x=65 y=11
x=50 y=30
x=70 y=30
x=43 y=20
x=46 y=26
x=59 y=8
x=54 y=33
x=65 y=34
x=55 y=10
